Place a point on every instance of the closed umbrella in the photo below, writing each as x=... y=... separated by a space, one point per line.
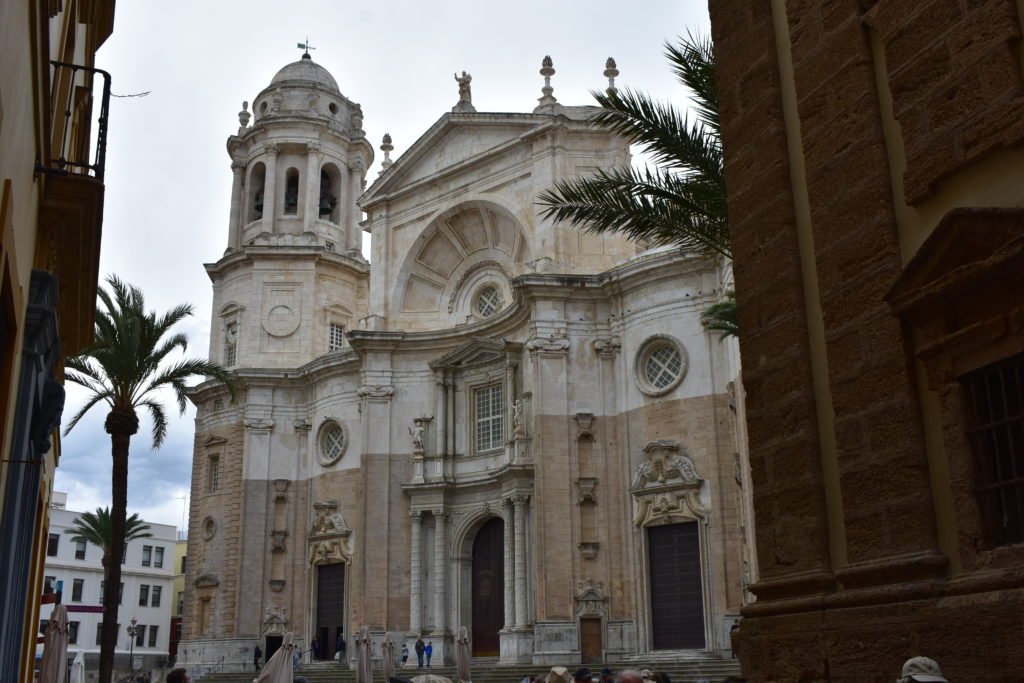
x=78 y=668
x=279 y=668
x=54 y=667
x=364 y=669
x=462 y=656
x=387 y=653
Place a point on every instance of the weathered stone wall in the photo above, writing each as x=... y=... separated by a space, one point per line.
x=853 y=133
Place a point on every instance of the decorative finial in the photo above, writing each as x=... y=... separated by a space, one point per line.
x=386 y=147
x=307 y=47
x=244 y=115
x=547 y=101
x=465 y=103
x=610 y=72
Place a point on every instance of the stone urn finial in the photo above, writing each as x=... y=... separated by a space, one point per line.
x=547 y=101
x=610 y=72
x=244 y=115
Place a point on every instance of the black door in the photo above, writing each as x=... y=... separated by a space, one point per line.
x=271 y=645
x=330 y=608
x=677 y=597
x=488 y=588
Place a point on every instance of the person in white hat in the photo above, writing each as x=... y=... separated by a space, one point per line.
x=923 y=670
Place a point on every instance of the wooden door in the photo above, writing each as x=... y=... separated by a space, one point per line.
x=488 y=588
x=590 y=641
x=677 y=595
x=330 y=607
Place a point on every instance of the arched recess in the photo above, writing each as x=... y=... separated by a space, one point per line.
x=460 y=253
x=329 y=199
x=256 y=193
x=480 y=575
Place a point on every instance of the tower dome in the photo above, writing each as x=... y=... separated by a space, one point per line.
x=307 y=71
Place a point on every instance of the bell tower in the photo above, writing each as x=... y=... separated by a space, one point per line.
x=292 y=279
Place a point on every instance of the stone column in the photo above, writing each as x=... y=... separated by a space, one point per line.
x=450 y=383
x=416 y=574
x=353 y=239
x=312 y=202
x=235 y=218
x=442 y=417
x=510 y=395
x=440 y=575
x=522 y=618
x=510 y=616
x=270 y=189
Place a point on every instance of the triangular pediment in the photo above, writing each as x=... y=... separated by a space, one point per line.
x=476 y=350
x=967 y=244
x=455 y=141
x=214 y=441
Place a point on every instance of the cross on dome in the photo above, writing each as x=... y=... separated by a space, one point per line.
x=307 y=47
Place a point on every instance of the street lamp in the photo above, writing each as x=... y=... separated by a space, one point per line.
x=131 y=647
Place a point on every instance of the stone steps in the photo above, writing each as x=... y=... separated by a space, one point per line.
x=679 y=670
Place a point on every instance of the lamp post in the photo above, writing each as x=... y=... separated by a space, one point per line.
x=131 y=647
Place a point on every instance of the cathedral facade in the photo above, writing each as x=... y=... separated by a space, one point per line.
x=497 y=422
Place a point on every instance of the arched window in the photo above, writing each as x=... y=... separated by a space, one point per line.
x=330 y=194
x=257 y=180
x=291 y=192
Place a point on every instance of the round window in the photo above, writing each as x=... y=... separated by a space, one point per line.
x=333 y=108
x=488 y=301
x=660 y=365
x=209 y=528
x=332 y=443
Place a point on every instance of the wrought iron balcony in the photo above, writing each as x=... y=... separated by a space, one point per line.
x=71 y=107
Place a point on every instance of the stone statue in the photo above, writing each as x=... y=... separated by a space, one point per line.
x=517 y=415
x=416 y=432
x=465 y=94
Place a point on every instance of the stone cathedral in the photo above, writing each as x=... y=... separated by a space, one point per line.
x=497 y=422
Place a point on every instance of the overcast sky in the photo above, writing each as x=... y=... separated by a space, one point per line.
x=168 y=175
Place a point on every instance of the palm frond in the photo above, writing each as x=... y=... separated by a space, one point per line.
x=722 y=317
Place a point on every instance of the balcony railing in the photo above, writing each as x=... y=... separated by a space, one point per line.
x=71 y=106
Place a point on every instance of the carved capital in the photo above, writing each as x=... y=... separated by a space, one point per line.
x=440 y=514
x=520 y=499
x=237 y=167
x=376 y=391
x=271 y=149
x=607 y=347
x=302 y=425
x=416 y=515
x=548 y=345
x=584 y=421
x=312 y=148
x=259 y=425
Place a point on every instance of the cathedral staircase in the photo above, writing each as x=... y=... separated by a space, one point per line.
x=706 y=668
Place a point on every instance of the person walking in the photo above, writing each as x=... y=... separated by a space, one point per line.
x=420 y=647
x=257 y=658
x=428 y=650
x=339 y=654
x=314 y=650
x=405 y=655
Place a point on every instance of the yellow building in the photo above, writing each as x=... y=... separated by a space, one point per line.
x=52 y=101
x=180 y=551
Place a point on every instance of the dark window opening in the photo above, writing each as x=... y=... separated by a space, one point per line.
x=291 y=191
x=328 y=195
x=257 y=180
x=995 y=400
x=51 y=545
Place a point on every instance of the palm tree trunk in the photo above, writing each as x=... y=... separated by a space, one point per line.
x=121 y=424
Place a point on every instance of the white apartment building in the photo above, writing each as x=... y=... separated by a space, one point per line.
x=147 y=578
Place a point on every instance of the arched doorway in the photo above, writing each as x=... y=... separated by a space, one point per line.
x=488 y=588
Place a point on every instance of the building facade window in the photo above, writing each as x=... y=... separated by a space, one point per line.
x=99 y=633
x=143 y=595
x=488 y=418
x=158 y=557
x=181 y=603
x=336 y=337
x=995 y=430
x=661 y=364
x=291 y=192
x=147 y=555
x=80 y=549
x=488 y=301
x=140 y=635
x=213 y=474
x=155 y=596
x=76 y=590
x=152 y=635
x=49 y=584
x=73 y=632
x=51 y=545
x=333 y=441
x=230 y=344
x=183 y=559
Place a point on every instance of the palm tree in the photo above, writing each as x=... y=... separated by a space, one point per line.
x=96 y=528
x=125 y=367
x=681 y=199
